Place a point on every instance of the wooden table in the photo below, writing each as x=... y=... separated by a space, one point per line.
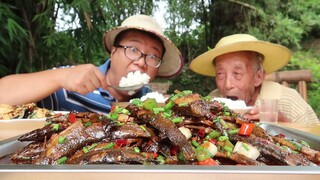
x=310 y=128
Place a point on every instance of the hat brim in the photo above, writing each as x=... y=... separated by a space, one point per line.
x=275 y=56
x=172 y=60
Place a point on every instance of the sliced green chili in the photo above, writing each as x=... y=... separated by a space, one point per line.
x=245 y=146
x=108 y=146
x=62 y=160
x=169 y=105
x=177 y=120
x=223 y=138
x=62 y=139
x=55 y=127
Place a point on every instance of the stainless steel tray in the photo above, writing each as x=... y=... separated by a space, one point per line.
x=11 y=145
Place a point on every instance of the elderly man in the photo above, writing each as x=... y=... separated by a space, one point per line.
x=240 y=62
x=137 y=45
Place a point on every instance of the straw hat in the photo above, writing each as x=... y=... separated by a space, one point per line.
x=275 y=56
x=172 y=59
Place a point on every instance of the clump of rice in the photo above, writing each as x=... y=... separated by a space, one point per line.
x=155 y=95
x=134 y=78
x=237 y=104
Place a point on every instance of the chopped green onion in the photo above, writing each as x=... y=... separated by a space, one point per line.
x=227 y=148
x=202 y=153
x=120 y=123
x=186 y=92
x=181 y=156
x=174 y=97
x=226 y=113
x=62 y=139
x=55 y=127
x=62 y=160
x=297 y=145
x=213 y=134
x=108 y=146
x=234 y=131
x=92 y=146
x=228 y=154
x=143 y=128
x=224 y=124
x=150 y=103
x=157 y=110
x=48 y=123
x=85 y=150
x=185 y=104
x=136 y=101
x=207 y=98
x=177 y=120
x=217 y=119
x=113 y=116
x=167 y=114
x=87 y=124
x=245 y=146
x=26 y=158
x=223 y=138
x=125 y=111
x=160 y=159
x=195 y=143
x=305 y=143
x=136 y=149
x=169 y=105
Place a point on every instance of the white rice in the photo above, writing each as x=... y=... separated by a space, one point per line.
x=134 y=78
x=237 y=104
x=155 y=95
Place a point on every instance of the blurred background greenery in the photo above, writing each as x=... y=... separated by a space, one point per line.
x=41 y=34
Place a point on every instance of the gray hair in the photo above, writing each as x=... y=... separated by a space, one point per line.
x=257 y=61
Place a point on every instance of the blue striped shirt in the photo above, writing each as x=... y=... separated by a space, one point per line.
x=97 y=101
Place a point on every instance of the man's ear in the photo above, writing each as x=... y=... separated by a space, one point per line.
x=113 y=50
x=259 y=77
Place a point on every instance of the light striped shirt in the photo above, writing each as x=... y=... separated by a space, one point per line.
x=98 y=101
x=291 y=104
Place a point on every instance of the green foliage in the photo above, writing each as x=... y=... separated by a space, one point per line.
x=31 y=38
x=309 y=60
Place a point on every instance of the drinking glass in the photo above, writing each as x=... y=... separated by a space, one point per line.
x=268 y=110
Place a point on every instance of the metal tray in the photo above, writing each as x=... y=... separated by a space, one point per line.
x=11 y=145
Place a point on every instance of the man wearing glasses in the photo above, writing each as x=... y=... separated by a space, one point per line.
x=137 y=45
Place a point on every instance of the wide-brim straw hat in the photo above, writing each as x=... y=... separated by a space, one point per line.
x=172 y=60
x=275 y=56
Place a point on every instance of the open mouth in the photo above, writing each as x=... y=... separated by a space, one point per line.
x=234 y=98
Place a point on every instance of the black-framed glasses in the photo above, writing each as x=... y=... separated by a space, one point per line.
x=135 y=54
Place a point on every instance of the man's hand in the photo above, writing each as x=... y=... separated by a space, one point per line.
x=253 y=114
x=83 y=78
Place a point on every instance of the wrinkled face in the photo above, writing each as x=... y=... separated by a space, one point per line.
x=236 y=76
x=121 y=65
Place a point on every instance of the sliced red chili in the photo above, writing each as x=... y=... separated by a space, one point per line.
x=112 y=108
x=213 y=141
x=208 y=162
x=155 y=155
x=174 y=151
x=121 y=142
x=72 y=118
x=246 y=129
x=281 y=135
x=201 y=133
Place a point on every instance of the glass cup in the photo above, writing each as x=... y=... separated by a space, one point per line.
x=268 y=110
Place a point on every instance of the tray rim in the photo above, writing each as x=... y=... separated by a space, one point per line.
x=107 y=168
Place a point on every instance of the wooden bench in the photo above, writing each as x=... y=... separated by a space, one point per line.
x=297 y=77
